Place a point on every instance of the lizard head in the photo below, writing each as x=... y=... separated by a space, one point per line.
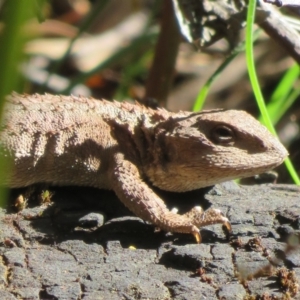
x=200 y=149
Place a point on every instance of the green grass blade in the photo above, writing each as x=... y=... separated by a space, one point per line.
x=286 y=83
x=284 y=95
x=255 y=84
x=205 y=89
x=12 y=39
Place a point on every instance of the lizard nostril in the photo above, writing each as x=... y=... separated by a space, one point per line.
x=223 y=134
x=263 y=146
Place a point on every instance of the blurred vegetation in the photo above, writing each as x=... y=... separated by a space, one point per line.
x=132 y=49
x=14 y=16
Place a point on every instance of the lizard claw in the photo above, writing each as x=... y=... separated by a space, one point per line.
x=197 y=236
x=195 y=232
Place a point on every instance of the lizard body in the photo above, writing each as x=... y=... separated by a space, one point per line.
x=67 y=140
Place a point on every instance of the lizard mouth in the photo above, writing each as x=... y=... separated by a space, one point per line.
x=260 y=163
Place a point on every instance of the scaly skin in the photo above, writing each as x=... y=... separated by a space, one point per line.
x=66 y=140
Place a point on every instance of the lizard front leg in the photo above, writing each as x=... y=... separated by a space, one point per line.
x=143 y=202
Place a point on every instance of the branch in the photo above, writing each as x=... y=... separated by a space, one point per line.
x=281 y=3
x=280 y=30
x=162 y=70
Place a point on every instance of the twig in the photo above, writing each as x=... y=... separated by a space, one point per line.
x=277 y=28
x=281 y=3
x=162 y=70
x=211 y=14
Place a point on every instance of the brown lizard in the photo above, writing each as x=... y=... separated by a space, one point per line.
x=67 y=140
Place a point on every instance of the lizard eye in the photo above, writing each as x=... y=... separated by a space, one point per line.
x=223 y=134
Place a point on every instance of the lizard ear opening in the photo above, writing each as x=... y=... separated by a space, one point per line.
x=223 y=134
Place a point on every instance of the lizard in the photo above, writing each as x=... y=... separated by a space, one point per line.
x=127 y=148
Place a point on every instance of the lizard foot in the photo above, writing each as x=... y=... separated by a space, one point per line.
x=193 y=220
x=201 y=218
